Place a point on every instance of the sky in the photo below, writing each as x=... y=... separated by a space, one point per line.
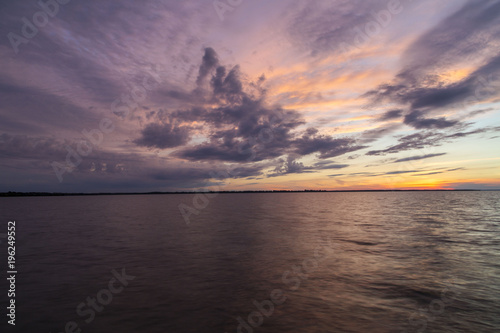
x=140 y=96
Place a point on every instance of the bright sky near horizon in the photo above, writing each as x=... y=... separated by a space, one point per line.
x=249 y=95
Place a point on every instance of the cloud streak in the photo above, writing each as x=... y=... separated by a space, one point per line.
x=416 y=158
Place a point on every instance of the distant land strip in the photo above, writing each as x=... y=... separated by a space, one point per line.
x=52 y=194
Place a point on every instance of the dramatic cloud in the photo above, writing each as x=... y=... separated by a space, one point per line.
x=242 y=128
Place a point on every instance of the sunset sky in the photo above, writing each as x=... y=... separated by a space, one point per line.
x=249 y=95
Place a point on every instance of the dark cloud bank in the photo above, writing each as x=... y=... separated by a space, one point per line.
x=240 y=127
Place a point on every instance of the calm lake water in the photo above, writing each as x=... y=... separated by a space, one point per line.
x=283 y=262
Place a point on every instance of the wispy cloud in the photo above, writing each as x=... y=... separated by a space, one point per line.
x=414 y=158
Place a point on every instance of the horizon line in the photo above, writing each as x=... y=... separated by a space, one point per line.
x=27 y=194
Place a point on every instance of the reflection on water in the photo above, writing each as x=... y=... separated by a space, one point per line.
x=283 y=262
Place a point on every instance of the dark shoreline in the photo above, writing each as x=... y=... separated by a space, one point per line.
x=48 y=194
